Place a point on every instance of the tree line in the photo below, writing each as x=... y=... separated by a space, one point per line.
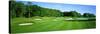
x=19 y=9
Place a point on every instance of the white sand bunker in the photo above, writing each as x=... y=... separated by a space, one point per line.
x=38 y=19
x=69 y=19
x=22 y=24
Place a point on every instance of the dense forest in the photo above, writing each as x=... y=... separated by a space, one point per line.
x=19 y=9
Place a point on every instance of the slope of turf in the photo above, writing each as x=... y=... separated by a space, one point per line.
x=48 y=24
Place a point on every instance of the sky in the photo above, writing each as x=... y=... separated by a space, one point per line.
x=68 y=7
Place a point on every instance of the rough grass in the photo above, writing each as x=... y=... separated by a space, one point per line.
x=48 y=24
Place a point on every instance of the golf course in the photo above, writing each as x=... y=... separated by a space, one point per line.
x=43 y=24
x=29 y=16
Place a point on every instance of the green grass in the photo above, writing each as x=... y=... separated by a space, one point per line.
x=48 y=24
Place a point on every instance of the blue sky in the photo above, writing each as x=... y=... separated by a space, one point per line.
x=68 y=7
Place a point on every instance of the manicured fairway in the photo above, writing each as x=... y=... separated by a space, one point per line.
x=41 y=24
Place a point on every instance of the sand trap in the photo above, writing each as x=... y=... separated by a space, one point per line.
x=38 y=19
x=69 y=19
x=25 y=24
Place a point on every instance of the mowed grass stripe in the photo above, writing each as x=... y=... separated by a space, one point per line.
x=44 y=27
x=45 y=22
x=61 y=25
x=57 y=26
x=67 y=25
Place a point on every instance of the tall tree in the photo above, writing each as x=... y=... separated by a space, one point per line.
x=72 y=14
x=88 y=15
x=16 y=9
